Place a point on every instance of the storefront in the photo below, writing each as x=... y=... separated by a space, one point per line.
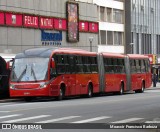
x=28 y=24
x=155 y=65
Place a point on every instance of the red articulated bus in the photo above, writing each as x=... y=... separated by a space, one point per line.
x=60 y=72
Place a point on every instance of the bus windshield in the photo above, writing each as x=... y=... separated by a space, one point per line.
x=29 y=69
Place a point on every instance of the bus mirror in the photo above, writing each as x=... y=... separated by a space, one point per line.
x=52 y=64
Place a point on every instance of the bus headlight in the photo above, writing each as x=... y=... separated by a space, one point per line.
x=12 y=86
x=43 y=85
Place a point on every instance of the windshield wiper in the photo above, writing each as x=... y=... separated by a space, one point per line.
x=34 y=75
x=20 y=77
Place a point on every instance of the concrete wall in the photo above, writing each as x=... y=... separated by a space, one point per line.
x=14 y=40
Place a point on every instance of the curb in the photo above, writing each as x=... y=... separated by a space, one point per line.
x=8 y=100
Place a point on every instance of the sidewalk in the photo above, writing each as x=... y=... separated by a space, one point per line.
x=154 y=88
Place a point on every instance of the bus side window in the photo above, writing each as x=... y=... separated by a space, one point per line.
x=133 y=66
x=60 y=64
x=72 y=64
x=142 y=66
x=86 y=64
x=94 y=65
x=138 y=68
x=108 y=62
x=147 y=66
x=120 y=66
x=79 y=64
x=67 y=64
x=115 y=66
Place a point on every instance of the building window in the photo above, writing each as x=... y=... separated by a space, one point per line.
x=117 y=16
x=118 y=37
x=109 y=14
x=102 y=14
x=110 y=38
x=103 y=37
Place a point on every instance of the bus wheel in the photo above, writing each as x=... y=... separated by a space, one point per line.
x=61 y=94
x=121 y=90
x=141 y=90
x=90 y=91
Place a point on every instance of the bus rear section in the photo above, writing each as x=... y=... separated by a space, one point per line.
x=49 y=72
x=4 y=78
x=140 y=73
x=119 y=73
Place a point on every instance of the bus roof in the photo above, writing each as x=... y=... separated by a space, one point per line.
x=48 y=51
x=107 y=54
x=137 y=56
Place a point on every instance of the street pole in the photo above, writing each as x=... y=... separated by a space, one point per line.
x=90 y=40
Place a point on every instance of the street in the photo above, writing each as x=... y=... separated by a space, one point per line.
x=128 y=108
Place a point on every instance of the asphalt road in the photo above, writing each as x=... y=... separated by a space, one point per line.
x=106 y=109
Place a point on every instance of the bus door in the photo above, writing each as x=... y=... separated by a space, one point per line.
x=134 y=74
x=69 y=76
x=66 y=72
x=71 y=82
x=81 y=83
x=139 y=75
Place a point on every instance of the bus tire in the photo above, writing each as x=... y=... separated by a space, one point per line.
x=61 y=94
x=90 y=91
x=142 y=88
x=121 y=91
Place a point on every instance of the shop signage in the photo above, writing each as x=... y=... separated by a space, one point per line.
x=93 y=27
x=46 y=23
x=83 y=26
x=30 y=21
x=60 y=24
x=49 y=38
x=71 y=24
x=1 y=18
x=13 y=19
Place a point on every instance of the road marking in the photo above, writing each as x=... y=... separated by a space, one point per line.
x=72 y=104
x=92 y=119
x=4 y=111
x=58 y=119
x=8 y=116
x=25 y=119
x=128 y=120
x=152 y=122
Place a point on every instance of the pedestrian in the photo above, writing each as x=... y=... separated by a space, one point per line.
x=154 y=79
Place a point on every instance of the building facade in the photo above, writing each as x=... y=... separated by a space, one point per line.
x=142 y=26
x=53 y=23
x=111 y=25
